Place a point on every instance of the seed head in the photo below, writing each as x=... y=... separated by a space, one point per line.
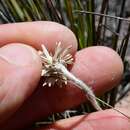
x=49 y=61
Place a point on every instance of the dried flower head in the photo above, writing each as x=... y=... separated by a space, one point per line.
x=51 y=75
x=55 y=72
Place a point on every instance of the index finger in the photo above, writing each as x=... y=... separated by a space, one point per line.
x=37 y=33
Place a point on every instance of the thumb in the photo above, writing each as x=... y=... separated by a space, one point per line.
x=20 y=69
x=101 y=120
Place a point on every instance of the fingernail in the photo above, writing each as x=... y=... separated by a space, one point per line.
x=18 y=54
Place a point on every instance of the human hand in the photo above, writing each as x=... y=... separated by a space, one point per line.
x=23 y=101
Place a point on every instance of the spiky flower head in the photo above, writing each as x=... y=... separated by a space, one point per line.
x=51 y=75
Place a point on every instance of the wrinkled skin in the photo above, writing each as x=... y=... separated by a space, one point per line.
x=22 y=99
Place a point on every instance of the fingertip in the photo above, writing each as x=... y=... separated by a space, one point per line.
x=19 y=54
x=56 y=32
x=100 y=67
x=37 y=33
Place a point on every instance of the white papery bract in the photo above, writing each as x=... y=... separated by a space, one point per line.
x=51 y=75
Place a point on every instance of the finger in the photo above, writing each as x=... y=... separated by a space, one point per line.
x=100 y=67
x=37 y=33
x=103 y=120
x=20 y=69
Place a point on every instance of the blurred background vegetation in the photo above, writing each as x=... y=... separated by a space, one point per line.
x=94 y=22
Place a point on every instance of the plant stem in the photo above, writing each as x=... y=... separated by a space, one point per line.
x=104 y=15
x=80 y=84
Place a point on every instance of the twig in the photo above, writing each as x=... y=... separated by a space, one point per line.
x=4 y=18
x=104 y=15
x=110 y=29
x=104 y=5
